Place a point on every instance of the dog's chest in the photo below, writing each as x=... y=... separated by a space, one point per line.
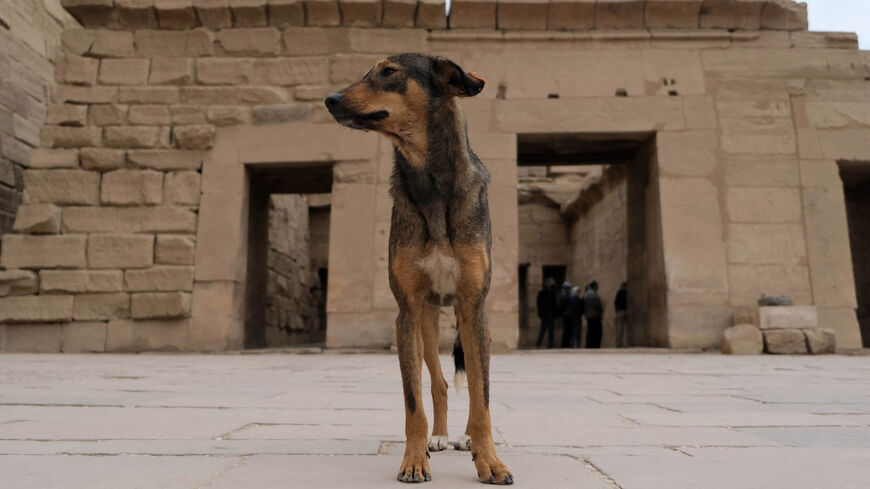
x=443 y=270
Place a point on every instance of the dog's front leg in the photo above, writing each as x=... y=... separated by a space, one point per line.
x=409 y=341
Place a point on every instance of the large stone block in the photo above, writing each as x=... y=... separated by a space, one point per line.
x=292 y=71
x=224 y=71
x=198 y=136
x=83 y=95
x=398 y=13
x=182 y=188
x=128 y=219
x=102 y=159
x=761 y=171
x=70 y=137
x=748 y=282
x=107 y=115
x=133 y=137
x=174 y=44
x=133 y=336
x=430 y=14
x=522 y=14
x=112 y=44
x=766 y=244
x=67 y=187
x=149 y=115
x=160 y=305
x=124 y=71
x=166 y=160
x=697 y=326
x=322 y=13
x=821 y=341
x=33 y=338
x=67 y=115
x=54 y=158
x=312 y=41
x=284 y=13
x=784 y=15
x=758 y=136
x=381 y=40
x=218 y=322
x=360 y=13
x=77 y=70
x=36 y=308
x=731 y=14
x=17 y=282
x=120 y=250
x=37 y=219
x=785 y=342
x=159 y=278
x=788 y=317
x=78 y=281
x=63 y=251
x=265 y=41
x=214 y=14
x=249 y=13
x=760 y=204
x=171 y=71
x=132 y=187
x=149 y=95
x=672 y=14
x=83 y=337
x=89 y=307
x=619 y=14
x=845 y=325
x=473 y=14
x=175 y=249
x=743 y=339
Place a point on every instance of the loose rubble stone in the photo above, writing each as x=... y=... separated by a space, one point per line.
x=821 y=341
x=743 y=339
x=788 y=317
x=785 y=341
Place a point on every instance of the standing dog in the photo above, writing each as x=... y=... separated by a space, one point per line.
x=439 y=242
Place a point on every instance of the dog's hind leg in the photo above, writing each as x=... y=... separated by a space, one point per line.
x=409 y=342
x=438 y=440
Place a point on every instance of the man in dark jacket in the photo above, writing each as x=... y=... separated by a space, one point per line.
x=566 y=308
x=620 y=305
x=594 y=314
x=546 y=303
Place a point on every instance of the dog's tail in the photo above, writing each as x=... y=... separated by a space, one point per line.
x=459 y=363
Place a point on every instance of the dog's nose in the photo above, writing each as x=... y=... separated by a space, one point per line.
x=333 y=100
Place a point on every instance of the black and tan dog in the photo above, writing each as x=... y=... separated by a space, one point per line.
x=439 y=242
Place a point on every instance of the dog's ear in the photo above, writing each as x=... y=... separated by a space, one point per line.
x=450 y=77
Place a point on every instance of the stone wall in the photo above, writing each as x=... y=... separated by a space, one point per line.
x=599 y=242
x=132 y=232
x=292 y=290
x=29 y=40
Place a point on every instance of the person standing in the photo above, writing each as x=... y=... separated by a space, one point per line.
x=565 y=310
x=578 y=306
x=546 y=303
x=620 y=305
x=594 y=314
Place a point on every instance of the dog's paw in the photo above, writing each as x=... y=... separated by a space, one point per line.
x=491 y=470
x=438 y=443
x=463 y=443
x=415 y=468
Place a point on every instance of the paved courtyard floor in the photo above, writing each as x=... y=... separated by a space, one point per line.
x=562 y=420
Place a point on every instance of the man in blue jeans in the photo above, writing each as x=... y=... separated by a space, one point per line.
x=547 y=306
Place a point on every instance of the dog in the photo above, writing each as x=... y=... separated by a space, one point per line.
x=440 y=240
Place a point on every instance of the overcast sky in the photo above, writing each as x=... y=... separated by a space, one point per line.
x=841 y=15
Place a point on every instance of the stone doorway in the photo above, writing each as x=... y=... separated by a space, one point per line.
x=856 y=188
x=288 y=253
x=588 y=209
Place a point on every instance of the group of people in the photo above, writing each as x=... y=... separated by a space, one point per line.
x=571 y=307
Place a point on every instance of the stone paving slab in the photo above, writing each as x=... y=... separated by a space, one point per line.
x=561 y=419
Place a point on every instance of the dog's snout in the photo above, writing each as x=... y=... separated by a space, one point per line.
x=333 y=100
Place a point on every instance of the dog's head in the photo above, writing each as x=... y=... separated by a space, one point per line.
x=397 y=94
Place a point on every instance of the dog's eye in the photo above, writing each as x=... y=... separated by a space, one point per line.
x=386 y=72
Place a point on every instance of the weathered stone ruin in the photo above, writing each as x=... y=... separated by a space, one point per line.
x=142 y=140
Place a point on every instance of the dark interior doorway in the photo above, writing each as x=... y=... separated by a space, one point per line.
x=606 y=227
x=856 y=187
x=286 y=272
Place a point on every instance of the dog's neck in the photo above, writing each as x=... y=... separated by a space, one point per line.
x=442 y=144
